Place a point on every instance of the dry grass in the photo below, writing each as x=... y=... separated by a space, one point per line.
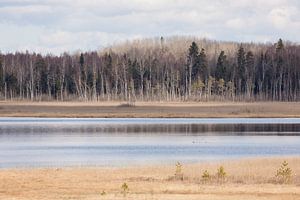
x=247 y=179
x=149 y=109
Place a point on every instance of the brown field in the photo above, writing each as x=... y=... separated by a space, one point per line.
x=246 y=179
x=149 y=109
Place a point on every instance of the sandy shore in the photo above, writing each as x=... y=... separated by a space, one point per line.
x=150 y=109
x=246 y=179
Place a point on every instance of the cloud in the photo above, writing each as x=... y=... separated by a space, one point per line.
x=281 y=18
x=68 y=25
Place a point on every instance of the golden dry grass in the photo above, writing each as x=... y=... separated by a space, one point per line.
x=247 y=179
x=149 y=109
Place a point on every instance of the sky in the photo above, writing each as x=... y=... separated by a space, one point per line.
x=57 y=26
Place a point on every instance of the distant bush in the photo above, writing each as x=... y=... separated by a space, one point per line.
x=221 y=174
x=284 y=173
x=178 y=171
x=127 y=105
x=125 y=189
x=103 y=193
x=206 y=176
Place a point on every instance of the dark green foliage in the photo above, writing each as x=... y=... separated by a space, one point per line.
x=40 y=67
x=135 y=73
x=241 y=66
x=70 y=81
x=203 y=69
x=249 y=62
x=193 y=60
x=81 y=60
x=241 y=60
x=11 y=81
x=221 y=66
x=279 y=46
x=1 y=75
x=279 y=54
x=90 y=77
x=193 y=52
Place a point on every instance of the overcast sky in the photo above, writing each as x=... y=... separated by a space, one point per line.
x=56 y=26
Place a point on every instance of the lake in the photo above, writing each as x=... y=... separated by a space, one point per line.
x=55 y=142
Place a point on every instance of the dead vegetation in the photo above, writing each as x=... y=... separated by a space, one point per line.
x=244 y=179
x=150 y=109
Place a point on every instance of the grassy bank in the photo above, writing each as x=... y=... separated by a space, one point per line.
x=150 y=109
x=245 y=179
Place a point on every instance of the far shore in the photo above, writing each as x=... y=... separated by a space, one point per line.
x=118 y=109
x=247 y=179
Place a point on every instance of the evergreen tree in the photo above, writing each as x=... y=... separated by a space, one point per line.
x=1 y=75
x=81 y=60
x=249 y=73
x=279 y=69
x=203 y=68
x=241 y=60
x=279 y=45
x=40 y=67
x=11 y=81
x=279 y=53
x=249 y=61
x=193 y=60
x=240 y=79
x=221 y=66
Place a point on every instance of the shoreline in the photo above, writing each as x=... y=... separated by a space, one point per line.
x=246 y=178
x=118 y=109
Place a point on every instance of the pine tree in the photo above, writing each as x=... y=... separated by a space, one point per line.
x=221 y=66
x=279 y=45
x=249 y=73
x=203 y=68
x=81 y=60
x=1 y=75
x=240 y=79
x=279 y=62
x=193 y=59
x=193 y=68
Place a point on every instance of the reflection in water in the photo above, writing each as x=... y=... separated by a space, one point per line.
x=195 y=129
x=33 y=144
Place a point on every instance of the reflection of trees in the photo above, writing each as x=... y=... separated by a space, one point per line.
x=196 y=129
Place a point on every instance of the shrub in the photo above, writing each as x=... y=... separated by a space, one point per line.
x=221 y=174
x=127 y=105
x=206 y=176
x=284 y=173
x=178 y=171
x=103 y=193
x=125 y=189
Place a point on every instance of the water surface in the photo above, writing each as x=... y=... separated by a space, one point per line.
x=53 y=142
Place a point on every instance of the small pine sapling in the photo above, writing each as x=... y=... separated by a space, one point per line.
x=125 y=189
x=178 y=171
x=221 y=174
x=284 y=173
x=206 y=176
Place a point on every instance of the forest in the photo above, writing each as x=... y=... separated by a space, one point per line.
x=157 y=69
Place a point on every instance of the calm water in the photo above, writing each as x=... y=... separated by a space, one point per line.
x=32 y=142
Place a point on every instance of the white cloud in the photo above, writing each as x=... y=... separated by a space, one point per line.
x=281 y=17
x=67 y=25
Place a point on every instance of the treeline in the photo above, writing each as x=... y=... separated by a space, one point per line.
x=175 y=69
